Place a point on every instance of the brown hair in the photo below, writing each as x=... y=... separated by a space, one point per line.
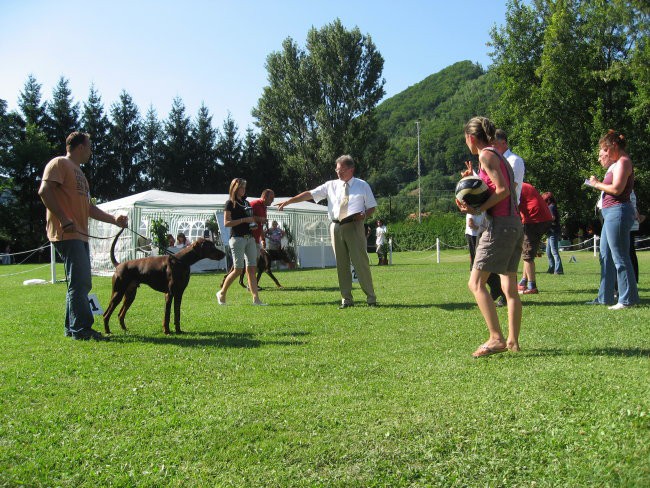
x=548 y=197
x=76 y=139
x=613 y=137
x=481 y=128
x=234 y=187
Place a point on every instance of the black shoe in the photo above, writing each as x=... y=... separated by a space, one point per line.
x=345 y=305
x=373 y=304
x=90 y=335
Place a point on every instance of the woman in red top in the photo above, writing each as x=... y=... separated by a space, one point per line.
x=499 y=248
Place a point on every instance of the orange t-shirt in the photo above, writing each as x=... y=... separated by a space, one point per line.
x=73 y=195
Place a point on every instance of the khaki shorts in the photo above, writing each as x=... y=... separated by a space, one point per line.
x=499 y=247
x=244 y=251
x=532 y=237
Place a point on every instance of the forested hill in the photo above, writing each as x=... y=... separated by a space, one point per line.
x=442 y=103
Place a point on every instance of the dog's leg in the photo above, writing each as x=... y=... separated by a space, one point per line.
x=277 y=283
x=115 y=300
x=129 y=296
x=178 y=298
x=168 y=306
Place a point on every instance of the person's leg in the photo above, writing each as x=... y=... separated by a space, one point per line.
x=621 y=220
x=555 y=250
x=342 y=263
x=633 y=257
x=607 y=268
x=476 y=284
x=236 y=245
x=250 y=256
x=471 y=244
x=494 y=283
x=509 y=285
x=355 y=238
x=76 y=261
x=549 y=253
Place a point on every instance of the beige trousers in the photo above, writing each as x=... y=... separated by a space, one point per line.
x=350 y=246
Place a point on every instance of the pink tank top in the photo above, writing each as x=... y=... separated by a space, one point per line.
x=611 y=200
x=501 y=209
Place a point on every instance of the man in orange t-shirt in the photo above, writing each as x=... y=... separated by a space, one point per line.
x=66 y=195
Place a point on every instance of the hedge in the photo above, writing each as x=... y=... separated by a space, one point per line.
x=413 y=236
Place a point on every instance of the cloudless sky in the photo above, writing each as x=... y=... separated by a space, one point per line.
x=215 y=51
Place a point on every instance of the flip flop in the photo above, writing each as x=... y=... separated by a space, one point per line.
x=484 y=351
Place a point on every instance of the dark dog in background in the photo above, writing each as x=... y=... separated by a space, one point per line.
x=167 y=274
x=264 y=260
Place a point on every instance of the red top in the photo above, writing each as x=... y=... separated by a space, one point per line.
x=501 y=209
x=532 y=207
x=259 y=210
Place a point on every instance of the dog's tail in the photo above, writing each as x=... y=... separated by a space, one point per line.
x=113 y=260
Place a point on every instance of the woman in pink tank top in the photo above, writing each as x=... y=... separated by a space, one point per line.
x=618 y=218
x=499 y=247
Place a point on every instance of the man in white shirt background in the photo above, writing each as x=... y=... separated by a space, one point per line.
x=349 y=202
x=517 y=163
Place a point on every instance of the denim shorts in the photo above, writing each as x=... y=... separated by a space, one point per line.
x=244 y=251
x=499 y=247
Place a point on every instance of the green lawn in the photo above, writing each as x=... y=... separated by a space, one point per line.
x=300 y=393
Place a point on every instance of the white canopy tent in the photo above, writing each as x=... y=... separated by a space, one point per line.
x=188 y=213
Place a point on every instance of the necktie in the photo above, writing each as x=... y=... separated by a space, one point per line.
x=343 y=211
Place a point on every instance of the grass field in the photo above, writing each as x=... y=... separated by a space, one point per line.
x=300 y=393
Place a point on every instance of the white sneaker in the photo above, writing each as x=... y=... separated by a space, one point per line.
x=619 y=306
x=260 y=304
x=220 y=298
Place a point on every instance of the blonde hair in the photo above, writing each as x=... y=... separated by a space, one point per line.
x=482 y=129
x=235 y=185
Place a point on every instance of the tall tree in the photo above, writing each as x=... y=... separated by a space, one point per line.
x=207 y=174
x=229 y=150
x=126 y=148
x=262 y=167
x=29 y=102
x=62 y=115
x=555 y=108
x=95 y=122
x=176 y=149
x=152 y=149
x=29 y=156
x=320 y=100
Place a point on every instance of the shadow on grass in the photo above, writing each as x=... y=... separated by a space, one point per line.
x=597 y=351
x=212 y=339
x=451 y=307
x=309 y=288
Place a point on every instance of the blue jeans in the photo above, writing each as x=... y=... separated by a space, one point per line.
x=553 y=253
x=615 y=262
x=76 y=261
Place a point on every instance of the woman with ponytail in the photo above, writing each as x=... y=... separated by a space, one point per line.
x=618 y=218
x=499 y=247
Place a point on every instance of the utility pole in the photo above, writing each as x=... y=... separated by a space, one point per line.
x=417 y=123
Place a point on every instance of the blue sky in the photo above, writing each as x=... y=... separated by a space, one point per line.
x=214 y=51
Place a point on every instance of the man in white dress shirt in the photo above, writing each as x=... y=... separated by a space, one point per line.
x=349 y=202
x=518 y=167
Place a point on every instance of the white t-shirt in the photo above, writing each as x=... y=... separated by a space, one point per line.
x=381 y=235
x=479 y=222
x=518 y=168
x=360 y=197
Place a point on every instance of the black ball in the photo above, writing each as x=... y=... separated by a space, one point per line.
x=472 y=190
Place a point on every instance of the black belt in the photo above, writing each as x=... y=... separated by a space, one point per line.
x=243 y=235
x=347 y=220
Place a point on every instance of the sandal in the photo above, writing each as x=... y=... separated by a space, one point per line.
x=484 y=351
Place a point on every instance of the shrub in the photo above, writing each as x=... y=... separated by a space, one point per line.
x=411 y=235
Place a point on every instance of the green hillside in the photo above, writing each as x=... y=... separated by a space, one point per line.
x=442 y=103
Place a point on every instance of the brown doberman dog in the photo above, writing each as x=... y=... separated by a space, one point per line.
x=168 y=274
x=264 y=260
